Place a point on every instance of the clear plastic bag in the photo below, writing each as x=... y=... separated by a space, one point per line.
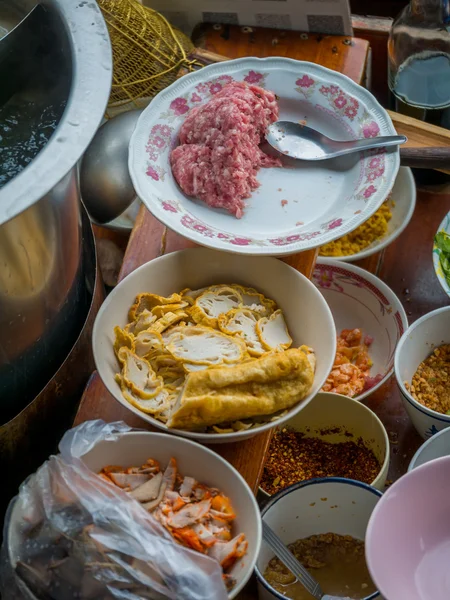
x=69 y=534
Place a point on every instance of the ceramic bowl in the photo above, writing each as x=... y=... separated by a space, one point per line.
x=359 y=299
x=332 y=505
x=408 y=537
x=332 y=416
x=436 y=446
x=134 y=448
x=417 y=343
x=444 y=226
x=402 y=204
x=307 y=314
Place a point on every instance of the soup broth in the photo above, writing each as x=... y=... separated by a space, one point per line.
x=336 y=561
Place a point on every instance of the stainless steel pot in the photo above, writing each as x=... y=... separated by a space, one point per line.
x=44 y=299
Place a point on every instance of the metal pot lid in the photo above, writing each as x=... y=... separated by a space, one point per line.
x=91 y=57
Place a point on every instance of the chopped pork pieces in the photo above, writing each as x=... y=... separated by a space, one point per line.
x=219 y=155
x=197 y=516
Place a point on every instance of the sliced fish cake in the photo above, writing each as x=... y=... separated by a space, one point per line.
x=137 y=375
x=205 y=346
x=147 y=342
x=147 y=301
x=163 y=309
x=143 y=322
x=123 y=338
x=255 y=301
x=273 y=332
x=242 y=321
x=167 y=321
x=214 y=302
x=151 y=406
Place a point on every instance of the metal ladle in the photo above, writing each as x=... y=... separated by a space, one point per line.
x=105 y=182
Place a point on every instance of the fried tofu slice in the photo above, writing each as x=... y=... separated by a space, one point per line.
x=261 y=386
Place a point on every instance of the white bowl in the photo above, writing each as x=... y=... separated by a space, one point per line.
x=134 y=448
x=416 y=345
x=359 y=299
x=408 y=536
x=403 y=196
x=435 y=447
x=331 y=416
x=308 y=317
x=305 y=509
x=444 y=226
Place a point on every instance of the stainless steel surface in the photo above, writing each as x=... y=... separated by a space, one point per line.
x=32 y=435
x=302 y=142
x=44 y=299
x=105 y=183
x=15 y=47
x=289 y=560
x=78 y=34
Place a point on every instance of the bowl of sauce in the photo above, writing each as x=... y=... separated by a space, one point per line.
x=323 y=522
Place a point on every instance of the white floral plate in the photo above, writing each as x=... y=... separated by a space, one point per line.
x=295 y=208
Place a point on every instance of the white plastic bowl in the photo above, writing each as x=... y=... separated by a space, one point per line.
x=134 y=448
x=403 y=203
x=305 y=509
x=308 y=317
x=331 y=417
x=417 y=343
x=408 y=536
x=436 y=446
x=359 y=299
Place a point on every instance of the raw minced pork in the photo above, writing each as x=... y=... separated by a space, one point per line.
x=219 y=156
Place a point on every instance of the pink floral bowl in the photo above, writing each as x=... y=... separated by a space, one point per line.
x=301 y=206
x=358 y=299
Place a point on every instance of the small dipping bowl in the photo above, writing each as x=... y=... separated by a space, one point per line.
x=314 y=507
x=408 y=537
x=435 y=447
x=416 y=344
x=358 y=299
x=331 y=416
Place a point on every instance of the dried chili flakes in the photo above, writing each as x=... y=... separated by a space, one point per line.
x=295 y=457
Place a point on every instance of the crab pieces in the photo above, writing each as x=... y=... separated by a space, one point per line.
x=197 y=516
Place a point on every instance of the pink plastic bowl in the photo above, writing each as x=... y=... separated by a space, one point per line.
x=408 y=536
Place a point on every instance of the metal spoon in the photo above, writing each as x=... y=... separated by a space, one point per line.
x=294 y=566
x=299 y=141
x=105 y=182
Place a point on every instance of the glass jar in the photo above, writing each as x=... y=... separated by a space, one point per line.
x=419 y=61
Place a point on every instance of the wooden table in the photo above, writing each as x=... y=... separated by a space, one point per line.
x=406 y=266
x=151 y=239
